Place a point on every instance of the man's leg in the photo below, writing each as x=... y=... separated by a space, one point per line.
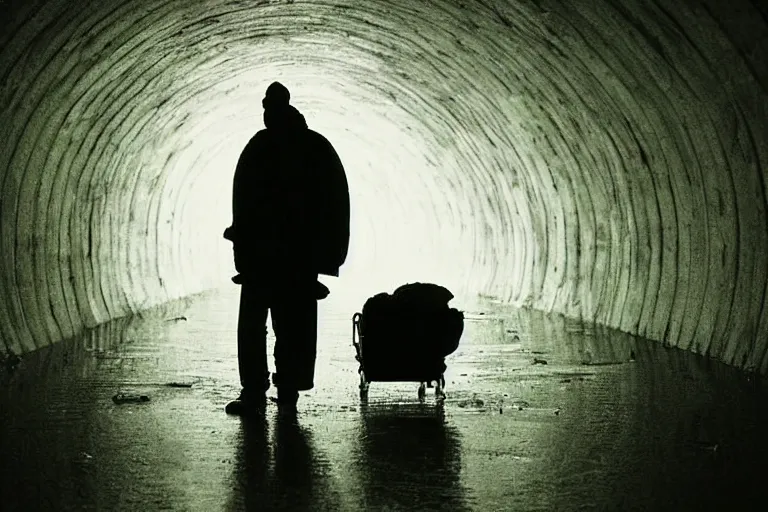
x=252 y=344
x=294 y=319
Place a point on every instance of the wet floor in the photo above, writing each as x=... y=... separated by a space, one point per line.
x=541 y=414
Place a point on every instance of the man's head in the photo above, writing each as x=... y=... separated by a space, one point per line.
x=278 y=113
x=277 y=96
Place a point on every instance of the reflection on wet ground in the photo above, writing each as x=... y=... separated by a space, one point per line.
x=541 y=414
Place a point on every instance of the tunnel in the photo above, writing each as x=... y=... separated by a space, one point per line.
x=599 y=160
x=591 y=171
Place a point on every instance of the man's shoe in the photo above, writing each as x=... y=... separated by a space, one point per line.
x=287 y=414
x=247 y=403
x=286 y=400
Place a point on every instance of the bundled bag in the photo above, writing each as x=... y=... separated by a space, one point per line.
x=415 y=323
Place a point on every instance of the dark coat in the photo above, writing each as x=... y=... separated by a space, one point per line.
x=290 y=201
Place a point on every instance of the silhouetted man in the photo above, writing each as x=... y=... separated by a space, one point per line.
x=290 y=211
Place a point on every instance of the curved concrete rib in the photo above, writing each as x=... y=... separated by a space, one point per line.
x=603 y=159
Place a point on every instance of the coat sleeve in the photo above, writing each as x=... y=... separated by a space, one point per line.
x=240 y=189
x=337 y=211
x=243 y=213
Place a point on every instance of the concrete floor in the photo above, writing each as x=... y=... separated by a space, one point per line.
x=609 y=423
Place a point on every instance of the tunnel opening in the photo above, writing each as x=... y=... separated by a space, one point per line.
x=600 y=161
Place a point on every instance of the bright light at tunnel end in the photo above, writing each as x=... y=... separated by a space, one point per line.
x=397 y=235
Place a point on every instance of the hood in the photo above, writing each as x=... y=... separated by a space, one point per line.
x=284 y=118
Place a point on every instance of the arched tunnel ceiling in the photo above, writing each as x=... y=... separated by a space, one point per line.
x=603 y=159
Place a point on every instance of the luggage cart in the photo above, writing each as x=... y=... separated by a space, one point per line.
x=376 y=365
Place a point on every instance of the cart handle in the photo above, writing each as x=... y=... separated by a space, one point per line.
x=356 y=338
x=356 y=329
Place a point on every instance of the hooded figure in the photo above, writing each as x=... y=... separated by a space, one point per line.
x=291 y=199
x=290 y=210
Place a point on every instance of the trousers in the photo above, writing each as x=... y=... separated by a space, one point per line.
x=292 y=302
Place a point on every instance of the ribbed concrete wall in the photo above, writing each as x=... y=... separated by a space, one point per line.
x=600 y=158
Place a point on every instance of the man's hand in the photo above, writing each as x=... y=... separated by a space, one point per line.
x=321 y=291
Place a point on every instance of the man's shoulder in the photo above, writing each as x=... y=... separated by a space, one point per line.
x=257 y=142
x=265 y=135
x=315 y=135
x=259 y=136
x=318 y=140
x=312 y=140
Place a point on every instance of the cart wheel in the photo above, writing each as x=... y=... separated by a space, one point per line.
x=439 y=392
x=422 y=391
x=363 y=387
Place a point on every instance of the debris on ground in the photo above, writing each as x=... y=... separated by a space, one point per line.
x=472 y=402
x=177 y=319
x=122 y=398
x=537 y=360
x=179 y=384
x=520 y=404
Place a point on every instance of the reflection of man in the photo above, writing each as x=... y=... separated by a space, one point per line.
x=279 y=473
x=290 y=211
